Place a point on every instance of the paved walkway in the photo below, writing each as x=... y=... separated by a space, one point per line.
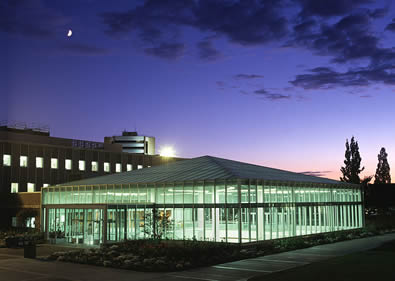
x=245 y=269
x=15 y=268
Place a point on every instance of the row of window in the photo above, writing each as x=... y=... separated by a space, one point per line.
x=68 y=164
x=198 y=193
x=31 y=187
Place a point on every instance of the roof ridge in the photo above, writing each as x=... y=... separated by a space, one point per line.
x=201 y=168
x=222 y=162
x=215 y=160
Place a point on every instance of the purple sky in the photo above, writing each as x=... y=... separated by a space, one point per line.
x=277 y=83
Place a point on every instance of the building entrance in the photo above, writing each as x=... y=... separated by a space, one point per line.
x=76 y=226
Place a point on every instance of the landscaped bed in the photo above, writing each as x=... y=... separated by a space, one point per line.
x=164 y=255
x=18 y=237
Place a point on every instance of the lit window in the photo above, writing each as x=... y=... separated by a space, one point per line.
x=23 y=161
x=46 y=184
x=81 y=165
x=68 y=164
x=54 y=163
x=95 y=166
x=139 y=166
x=129 y=167
x=30 y=187
x=14 y=187
x=106 y=167
x=118 y=168
x=148 y=166
x=6 y=160
x=30 y=222
x=39 y=162
x=14 y=222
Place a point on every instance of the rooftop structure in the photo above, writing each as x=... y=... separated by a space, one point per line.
x=131 y=142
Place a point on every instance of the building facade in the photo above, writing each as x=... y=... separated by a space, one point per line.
x=204 y=198
x=31 y=159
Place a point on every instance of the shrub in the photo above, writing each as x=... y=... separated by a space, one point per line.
x=170 y=255
x=19 y=236
x=291 y=243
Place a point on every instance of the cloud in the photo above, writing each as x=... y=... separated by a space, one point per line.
x=347 y=39
x=83 y=49
x=30 y=18
x=155 y=23
x=391 y=26
x=316 y=173
x=207 y=52
x=327 y=78
x=168 y=51
x=328 y=8
x=243 y=22
x=275 y=97
x=338 y=29
x=379 y=13
x=220 y=83
x=261 y=93
x=271 y=96
x=248 y=76
x=151 y=20
x=365 y=96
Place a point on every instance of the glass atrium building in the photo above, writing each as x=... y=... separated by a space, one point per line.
x=204 y=198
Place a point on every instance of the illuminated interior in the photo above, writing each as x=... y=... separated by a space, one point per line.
x=235 y=211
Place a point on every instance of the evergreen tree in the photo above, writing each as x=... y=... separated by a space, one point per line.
x=352 y=163
x=383 y=168
x=346 y=170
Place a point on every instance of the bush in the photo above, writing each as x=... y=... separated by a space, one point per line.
x=20 y=236
x=380 y=222
x=153 y=255
x=291 y=243
x=170 y=255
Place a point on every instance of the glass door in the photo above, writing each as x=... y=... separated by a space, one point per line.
x=97 y=226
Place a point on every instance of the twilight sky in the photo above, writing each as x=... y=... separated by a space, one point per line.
x=279 y=83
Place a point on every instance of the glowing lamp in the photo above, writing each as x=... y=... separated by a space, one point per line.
x=167 y=152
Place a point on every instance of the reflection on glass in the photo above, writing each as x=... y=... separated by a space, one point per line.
x=208 y=211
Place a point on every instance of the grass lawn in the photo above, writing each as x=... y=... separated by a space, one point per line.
x=377 y=264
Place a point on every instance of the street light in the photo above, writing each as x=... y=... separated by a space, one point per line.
x=167 y=151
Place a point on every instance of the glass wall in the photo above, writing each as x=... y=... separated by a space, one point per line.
x=235 y=211
x=75 y=225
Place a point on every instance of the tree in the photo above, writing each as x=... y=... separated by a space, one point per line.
x=157 y=223
x=383 y=169
x=365 y=184
x=352 y=163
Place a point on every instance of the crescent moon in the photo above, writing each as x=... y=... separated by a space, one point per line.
x=69 y=33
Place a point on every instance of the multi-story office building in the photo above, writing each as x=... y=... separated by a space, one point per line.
x=31 y=159
x=131 y=142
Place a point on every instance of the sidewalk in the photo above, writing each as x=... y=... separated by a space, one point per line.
x=14 y=267
x=245 y=269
